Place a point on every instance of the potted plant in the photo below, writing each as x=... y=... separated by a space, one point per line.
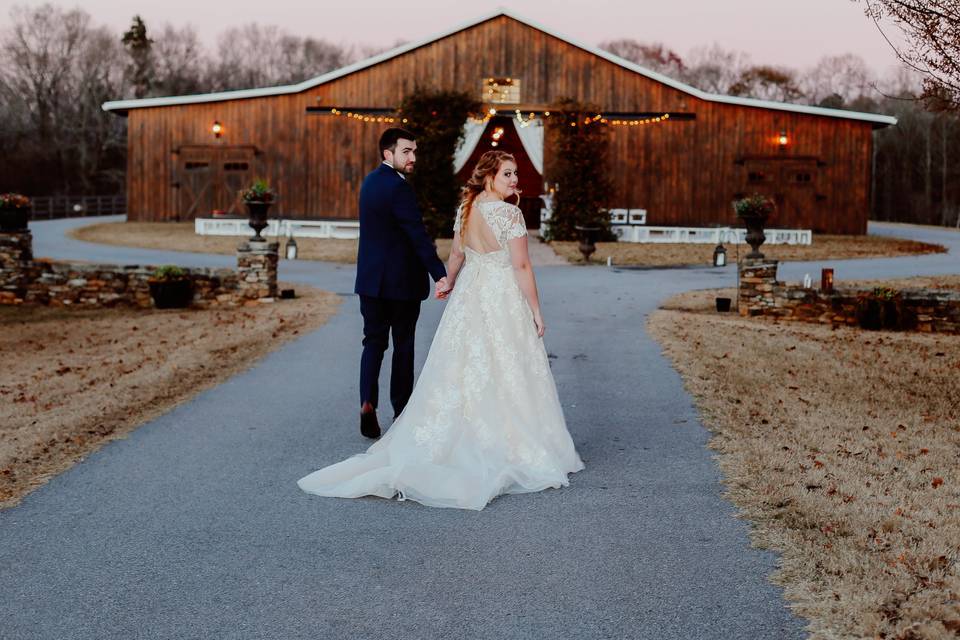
x=171 y=288
x=754 y=211
x=14 y=212
x=258 y=197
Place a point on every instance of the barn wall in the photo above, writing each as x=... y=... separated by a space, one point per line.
x=682 y=172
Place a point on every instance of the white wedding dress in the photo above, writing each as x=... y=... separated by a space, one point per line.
x=484 y=418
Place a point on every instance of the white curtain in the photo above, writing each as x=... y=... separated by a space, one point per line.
x=472 y=132
x=531 y=136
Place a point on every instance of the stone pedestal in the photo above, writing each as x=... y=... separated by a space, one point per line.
x=758 y=280
x=257 y=270
x=16 y=259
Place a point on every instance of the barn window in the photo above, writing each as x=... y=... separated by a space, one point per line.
x=757 y=176
x=235 y=166
x=802 y=178
x=196 y=165
x=501 y=90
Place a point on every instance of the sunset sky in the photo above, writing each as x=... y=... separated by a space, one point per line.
x=794 y=34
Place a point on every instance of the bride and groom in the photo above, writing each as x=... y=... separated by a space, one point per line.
x=484 y=418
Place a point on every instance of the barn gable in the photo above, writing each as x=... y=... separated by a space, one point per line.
x=122 y=106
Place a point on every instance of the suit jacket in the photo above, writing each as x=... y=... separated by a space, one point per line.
x=395 y=253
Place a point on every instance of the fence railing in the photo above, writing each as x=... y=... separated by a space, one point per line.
x=49 y=207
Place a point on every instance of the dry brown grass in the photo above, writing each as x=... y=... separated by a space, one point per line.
x=841 y=446
x=180 y=236
x=73 y=380
x=824 y=247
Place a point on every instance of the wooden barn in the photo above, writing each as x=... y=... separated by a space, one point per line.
x=677 y=152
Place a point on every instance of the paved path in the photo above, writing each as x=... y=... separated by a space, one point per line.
x=193 y=527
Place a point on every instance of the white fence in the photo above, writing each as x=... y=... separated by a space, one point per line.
x=630 y=226
x=707 y=235
x=341 y=229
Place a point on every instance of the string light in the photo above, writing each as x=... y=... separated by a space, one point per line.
x=525 y=120
x=363 y=118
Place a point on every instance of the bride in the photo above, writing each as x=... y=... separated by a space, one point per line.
x=484 y=418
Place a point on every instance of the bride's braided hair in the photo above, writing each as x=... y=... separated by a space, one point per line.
x=487 y=166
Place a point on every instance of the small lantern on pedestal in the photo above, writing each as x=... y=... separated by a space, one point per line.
x=826 y=281
x=720 y=256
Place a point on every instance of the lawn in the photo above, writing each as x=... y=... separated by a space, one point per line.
x=74 y=379
x=841 y=447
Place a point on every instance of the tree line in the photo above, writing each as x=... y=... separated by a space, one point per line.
x=57 y=67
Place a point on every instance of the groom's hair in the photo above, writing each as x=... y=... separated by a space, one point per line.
x=388 y=139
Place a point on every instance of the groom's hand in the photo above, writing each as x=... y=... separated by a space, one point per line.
x=443 y=288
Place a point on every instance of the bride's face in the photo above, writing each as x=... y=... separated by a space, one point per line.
x=505 y=182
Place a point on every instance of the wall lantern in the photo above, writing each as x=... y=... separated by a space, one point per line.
x=216 y=128
x=783 y=139
x=720 y=256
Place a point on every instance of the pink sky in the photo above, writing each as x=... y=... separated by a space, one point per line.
x=792 y=33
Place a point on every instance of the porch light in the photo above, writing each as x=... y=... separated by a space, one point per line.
x=783 y=139
x=216 y=128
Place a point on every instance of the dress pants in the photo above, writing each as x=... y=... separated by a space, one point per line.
x=381 y=317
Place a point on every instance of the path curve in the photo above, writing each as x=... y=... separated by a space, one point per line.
x=193 y=527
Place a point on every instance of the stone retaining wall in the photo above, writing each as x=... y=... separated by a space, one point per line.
x=929 y=310
x=25 y=280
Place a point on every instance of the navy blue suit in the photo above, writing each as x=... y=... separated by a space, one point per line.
x=395 y=255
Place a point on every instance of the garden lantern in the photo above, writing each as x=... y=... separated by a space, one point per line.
x=291 y=250
x=720 y=256
x=826 y=281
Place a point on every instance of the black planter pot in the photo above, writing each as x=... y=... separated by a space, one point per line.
x=14 y=219
x=723 y=304
x=755 y=236
x=258 y=218
x=588 y=239
x=172 y=294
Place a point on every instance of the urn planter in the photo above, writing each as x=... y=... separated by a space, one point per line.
x=258 y=219
x=13 y=219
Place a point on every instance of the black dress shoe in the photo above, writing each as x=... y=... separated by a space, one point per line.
x=369 y=425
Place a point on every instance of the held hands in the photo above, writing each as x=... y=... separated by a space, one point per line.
x=538 y=322
x=443 y=288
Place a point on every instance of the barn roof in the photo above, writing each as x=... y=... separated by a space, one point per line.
x=122 y=106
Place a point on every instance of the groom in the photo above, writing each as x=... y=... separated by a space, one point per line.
x=393 y=260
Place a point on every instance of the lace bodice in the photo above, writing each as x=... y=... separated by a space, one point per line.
x=504 y=219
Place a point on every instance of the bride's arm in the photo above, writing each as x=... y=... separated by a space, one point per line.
x=455 y=261
x=523 y=270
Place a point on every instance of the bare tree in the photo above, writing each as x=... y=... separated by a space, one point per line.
x=179 y=62
x=256 y=56
x=56 y=70
x=653 y=56
x=768 y=83
x=38 y=53
x=839 y=79
x=932 y=29
x=715 y=69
